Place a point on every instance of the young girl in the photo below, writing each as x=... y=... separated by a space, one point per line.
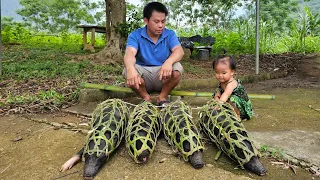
x=229 y=89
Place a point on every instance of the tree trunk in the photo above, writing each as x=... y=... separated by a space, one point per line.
x=115 y=45
x=108 y=21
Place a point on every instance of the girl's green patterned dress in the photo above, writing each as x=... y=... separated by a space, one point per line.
x=240 y=98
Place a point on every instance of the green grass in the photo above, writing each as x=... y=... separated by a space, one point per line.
x=271 y=152
x=48 y=77
x=24 y=63
x=56 y=98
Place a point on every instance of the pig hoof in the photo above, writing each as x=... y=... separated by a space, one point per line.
x=196 y=160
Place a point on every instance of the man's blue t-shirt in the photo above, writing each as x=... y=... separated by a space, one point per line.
x=148 y=53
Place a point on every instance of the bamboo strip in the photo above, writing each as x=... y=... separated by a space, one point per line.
x=175 y=93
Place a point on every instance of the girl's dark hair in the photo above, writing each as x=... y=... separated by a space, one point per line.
x=154 y=6
x=223 y=58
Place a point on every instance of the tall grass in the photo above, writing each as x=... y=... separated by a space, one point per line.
x=241 y=38
x=302 y=36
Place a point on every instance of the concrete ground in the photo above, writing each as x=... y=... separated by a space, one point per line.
x=299 y=147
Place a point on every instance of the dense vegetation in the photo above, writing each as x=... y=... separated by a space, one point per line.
x=284 y=26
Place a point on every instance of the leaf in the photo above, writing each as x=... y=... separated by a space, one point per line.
x=16 y=139
x=277 y=163
x=293 y=169
x=162 y=160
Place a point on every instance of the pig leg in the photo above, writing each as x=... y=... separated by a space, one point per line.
x=72 y=161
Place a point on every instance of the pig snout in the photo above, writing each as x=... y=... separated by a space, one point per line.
x=255 y=166
x=93 y=164
x=196 y=160
x=144 y=156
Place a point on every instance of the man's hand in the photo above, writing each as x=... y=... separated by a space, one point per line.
x=165 y=71
x=133 y=78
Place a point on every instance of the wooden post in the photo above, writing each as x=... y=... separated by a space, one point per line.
x=257 y=35
x=93 y=37
x=88 y=46
x=0 y=45
x=84 y=38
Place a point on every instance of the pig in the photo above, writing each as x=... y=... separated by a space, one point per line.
x=142 y=133
x=108 y=125
x=181 y=133
x=223 y=126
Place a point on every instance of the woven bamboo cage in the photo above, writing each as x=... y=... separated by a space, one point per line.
x=143 y=130
x=221 y=123
x=179 y=129
x=108 y=125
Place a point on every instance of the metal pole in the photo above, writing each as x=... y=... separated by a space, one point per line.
x=0 y=42
x=257 y=34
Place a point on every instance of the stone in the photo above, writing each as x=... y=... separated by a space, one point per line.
x=203 y=54
x=96 y=95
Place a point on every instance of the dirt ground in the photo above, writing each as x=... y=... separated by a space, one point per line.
x=245 y=65
x=33 y=150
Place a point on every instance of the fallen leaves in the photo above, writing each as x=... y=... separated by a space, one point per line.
x=286 y=165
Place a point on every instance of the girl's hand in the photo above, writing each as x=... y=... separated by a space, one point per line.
x=228 y=91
